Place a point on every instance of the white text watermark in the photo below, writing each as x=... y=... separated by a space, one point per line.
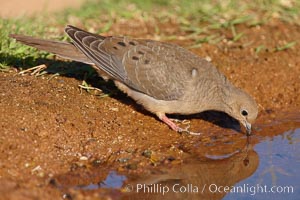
x=211 y=188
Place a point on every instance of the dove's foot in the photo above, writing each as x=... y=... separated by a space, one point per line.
x=176 y=128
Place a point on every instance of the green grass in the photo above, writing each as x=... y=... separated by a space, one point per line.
x=12 y=52
x=286 y=46
x=200 y=21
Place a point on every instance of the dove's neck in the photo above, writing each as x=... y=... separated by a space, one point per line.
x=215 y=99
x=222 y=99
x=230 y=97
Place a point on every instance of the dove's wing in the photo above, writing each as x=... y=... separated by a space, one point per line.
x=149 y=67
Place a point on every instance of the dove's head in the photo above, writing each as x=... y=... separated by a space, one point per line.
x=243 y=108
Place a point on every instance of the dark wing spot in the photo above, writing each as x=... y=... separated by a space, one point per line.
x=135 y=58
x=132 y=43
x=122 y=44
x=147 y=61
x=140 y=52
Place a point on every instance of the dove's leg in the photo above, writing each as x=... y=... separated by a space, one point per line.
x=174 y=127
x=171 y=124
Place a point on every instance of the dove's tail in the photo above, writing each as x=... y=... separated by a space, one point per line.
x=62 y=49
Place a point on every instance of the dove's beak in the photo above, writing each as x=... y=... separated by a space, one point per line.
x=248 y=128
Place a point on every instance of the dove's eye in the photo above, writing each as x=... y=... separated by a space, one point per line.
x=244 y=113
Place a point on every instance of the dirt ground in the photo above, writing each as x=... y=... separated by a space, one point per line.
x=55 y=136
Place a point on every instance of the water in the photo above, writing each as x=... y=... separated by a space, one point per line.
x=267 y=168
x=279 y=168
x=113 y=180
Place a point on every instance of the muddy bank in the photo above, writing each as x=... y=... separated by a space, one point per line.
x=52 y=131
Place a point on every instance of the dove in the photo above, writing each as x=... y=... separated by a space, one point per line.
x=163 y=77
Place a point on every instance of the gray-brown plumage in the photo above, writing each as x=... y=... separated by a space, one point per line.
x=165 y=78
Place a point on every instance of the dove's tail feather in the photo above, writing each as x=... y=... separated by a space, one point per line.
x=62 y=49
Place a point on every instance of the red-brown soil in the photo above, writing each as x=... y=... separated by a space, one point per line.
x=51 y=128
